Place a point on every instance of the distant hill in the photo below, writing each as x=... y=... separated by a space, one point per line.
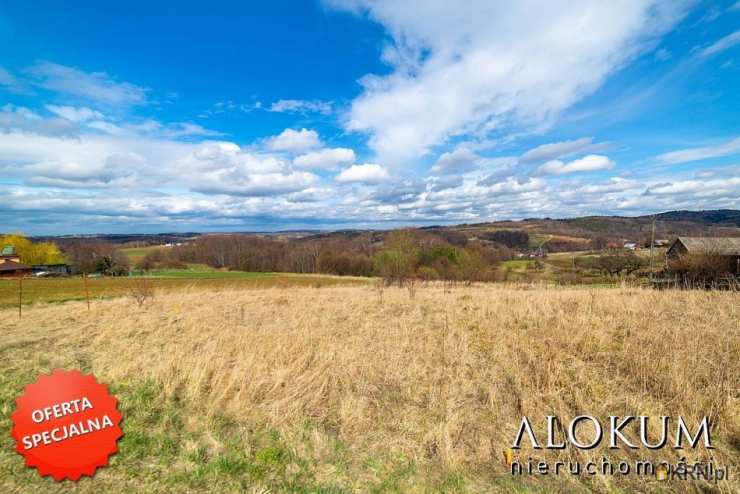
x=552 y=234
x=715 y=217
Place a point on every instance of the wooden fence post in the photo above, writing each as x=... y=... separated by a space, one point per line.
x=20 y=296
x=87 y=292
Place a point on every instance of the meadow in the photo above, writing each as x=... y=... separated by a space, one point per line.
x=57 y=290
x=362 y=388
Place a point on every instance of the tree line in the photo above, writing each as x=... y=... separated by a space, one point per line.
x=395 y=256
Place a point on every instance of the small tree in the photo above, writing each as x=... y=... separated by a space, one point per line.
x=149 y=261
x=33 y=253
x=472 y=267
x=397 y=261
x=113 y=264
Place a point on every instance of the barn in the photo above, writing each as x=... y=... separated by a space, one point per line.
x=723 y=247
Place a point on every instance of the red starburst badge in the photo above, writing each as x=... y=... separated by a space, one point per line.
x=66 y=425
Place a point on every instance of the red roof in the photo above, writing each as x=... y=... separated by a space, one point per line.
x=14 y=266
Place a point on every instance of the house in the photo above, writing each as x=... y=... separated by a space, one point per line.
x=723 y=247
x=10 y=264
x=12 y=269
x=8 y=254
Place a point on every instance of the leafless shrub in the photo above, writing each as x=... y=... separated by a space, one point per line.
x=411 y=287
x=703 y=270
x=379 y=288
x=141 y=291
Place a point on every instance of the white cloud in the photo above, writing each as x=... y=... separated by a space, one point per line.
x=295 y=140
x=268 y=184
x=461 y=160
x=74 y=114
x=447 y=182
x=368 y=173
x=95 y=86
x=301 y=106
x=152 y=128
x=699 y=188
x=488 y=65
x=721 y=45
x=700 y=153
x=615 y=184
x=18 y=118
x=589 y=163
x=325 y=159
x=556 y=150
x=91 y=161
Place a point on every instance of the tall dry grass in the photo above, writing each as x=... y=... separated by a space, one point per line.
x=442 y=377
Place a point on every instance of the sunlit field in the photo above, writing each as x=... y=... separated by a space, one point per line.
x=367 y=389
x=45 y=290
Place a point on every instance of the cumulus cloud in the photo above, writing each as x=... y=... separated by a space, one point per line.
x=325 y=159
x=700 y=153
x=301 y=106
x=368 y=173
x=295 y=140
x=95 y=86
x=491 y=65
x=461 y=160
x=91 y=161
x=592 y=162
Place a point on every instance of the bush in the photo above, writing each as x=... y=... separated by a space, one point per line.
x=141 y=291
x=706 y=267
x=621 y=264
x=427 y=273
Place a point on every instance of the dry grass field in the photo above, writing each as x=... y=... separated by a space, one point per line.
x=358 y=389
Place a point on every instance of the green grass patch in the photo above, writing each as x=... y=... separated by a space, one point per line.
x=55 y=290
x=135 y=254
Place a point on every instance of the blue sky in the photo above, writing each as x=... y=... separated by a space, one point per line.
x=238 y=116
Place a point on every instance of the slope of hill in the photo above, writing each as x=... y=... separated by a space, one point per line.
x=714 y=217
